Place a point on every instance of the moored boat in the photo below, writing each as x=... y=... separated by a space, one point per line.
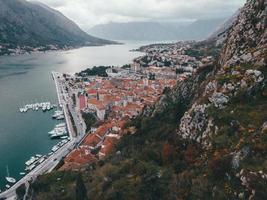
x=9 y=178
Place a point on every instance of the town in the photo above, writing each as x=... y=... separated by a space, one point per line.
x=119 y=94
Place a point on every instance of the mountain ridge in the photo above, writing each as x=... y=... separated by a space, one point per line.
x=33 y=24
x=197 y=30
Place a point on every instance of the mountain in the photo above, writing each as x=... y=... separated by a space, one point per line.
x=204 y=139
x=133 y=31
x=200 y=29
x=33 y=24
x=156 y=31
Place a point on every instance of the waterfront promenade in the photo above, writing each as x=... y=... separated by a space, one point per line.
x=50 y=163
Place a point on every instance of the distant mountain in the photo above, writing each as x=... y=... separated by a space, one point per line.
x=152 y=31
x=35 y=24
x=200 y=29
x=133 y=31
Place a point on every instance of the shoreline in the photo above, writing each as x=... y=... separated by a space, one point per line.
x=51 y=162
x=56 y=50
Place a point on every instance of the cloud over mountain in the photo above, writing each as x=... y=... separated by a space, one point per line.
x=91 y=12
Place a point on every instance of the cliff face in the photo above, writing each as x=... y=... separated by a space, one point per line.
x=205 y=139
x=229 y=118
x=246 y=40
x=241 y=72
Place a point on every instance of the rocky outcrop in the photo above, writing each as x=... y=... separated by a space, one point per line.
x=246 y=40
x=237 y=85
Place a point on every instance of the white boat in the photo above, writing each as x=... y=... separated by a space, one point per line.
x=7 y=186
x=9 y=178
x=22 y=173
x=64 y=137
x=58 y=130
x=30 y=168
x=60 y=117
x=31 y=161
x=61 y=125
x=57 y=135
x=52 y=132
x=55 y=148
x=41 y=160
x=44 y=108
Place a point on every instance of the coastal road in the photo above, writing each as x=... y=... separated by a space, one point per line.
x=46 y=166
x=51 y=162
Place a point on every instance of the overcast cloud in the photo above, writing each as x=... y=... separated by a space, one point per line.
x=87 y=13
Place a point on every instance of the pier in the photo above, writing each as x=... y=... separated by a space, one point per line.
x=75 y=138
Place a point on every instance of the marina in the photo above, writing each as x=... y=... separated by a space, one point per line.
x=44 y=106
x=39 y=163
x=25 y=78
x=59 y=131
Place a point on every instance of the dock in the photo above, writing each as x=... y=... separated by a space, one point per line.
x=49 y=164
x=62 y=100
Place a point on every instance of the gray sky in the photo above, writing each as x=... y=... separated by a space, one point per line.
x=87 y=13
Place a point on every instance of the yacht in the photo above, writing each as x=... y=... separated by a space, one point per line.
x=22 y=173
x=7 y=186
x=55 y=148
x=9 y=178
x=30 y=168
x=31 y=161
x=57 y=114
x=58 y=135
x=60 y=117
x=41 y=160
x=61 y=125
x=44 y=108
x=57 y=130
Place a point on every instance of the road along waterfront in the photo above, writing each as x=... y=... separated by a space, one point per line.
x=27 y=78
x=49 y=164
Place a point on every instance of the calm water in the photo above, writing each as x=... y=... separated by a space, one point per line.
x=26 y=78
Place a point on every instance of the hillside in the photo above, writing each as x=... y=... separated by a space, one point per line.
x=205 y=139
x=24 y=23
x=155 y=31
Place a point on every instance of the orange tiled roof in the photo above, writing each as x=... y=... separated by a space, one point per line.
x=91 y=140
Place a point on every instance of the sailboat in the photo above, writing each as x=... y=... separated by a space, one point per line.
x=8 y=178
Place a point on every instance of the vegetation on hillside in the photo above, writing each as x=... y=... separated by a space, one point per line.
x=95 y=71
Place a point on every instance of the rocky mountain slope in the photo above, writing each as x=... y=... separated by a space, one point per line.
x=205 y=139
x=24 y=23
